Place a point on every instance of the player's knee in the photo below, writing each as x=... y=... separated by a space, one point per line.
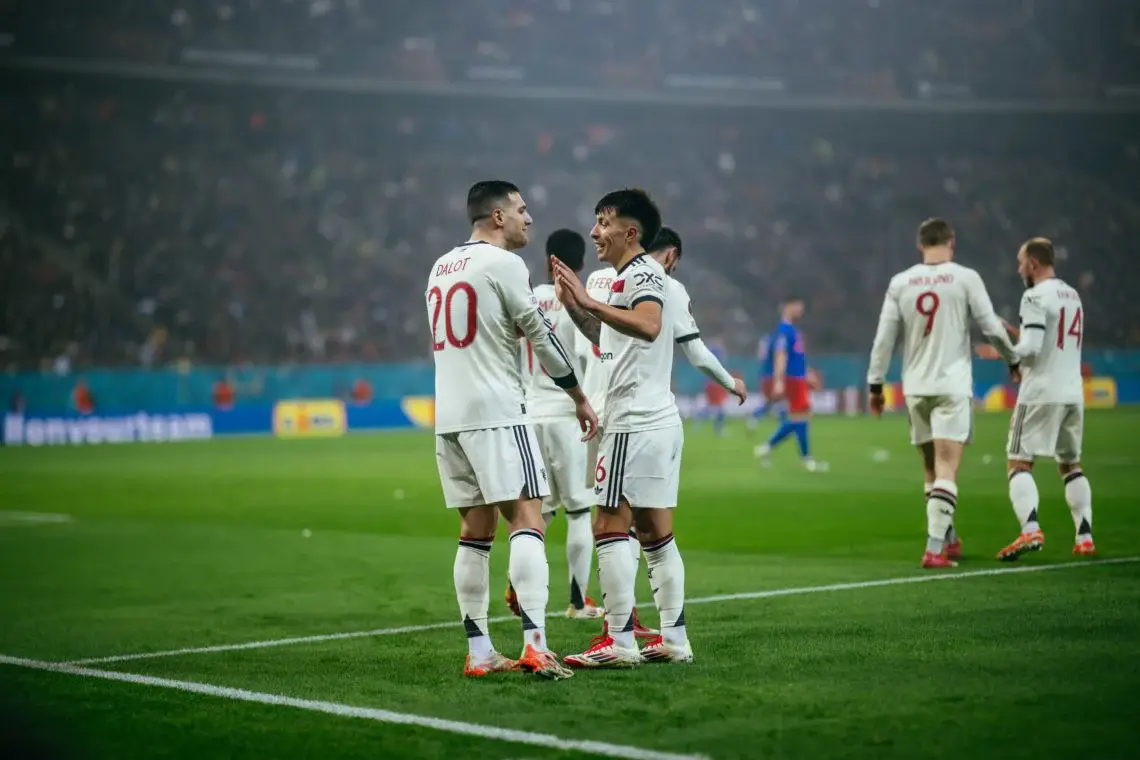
x=652 y=524
x=1016 y=466
x=478 y=522
x=524 y=514
x=612 y=519
x=1068 y=468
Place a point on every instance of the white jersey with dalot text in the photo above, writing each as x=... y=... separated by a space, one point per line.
x=1053 y=376
x=638 y=396
x=478 y=300
x=597 y=378
x=933 y=305
x=545 y=401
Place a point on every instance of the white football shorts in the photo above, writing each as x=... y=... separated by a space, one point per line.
x=943 y=418
x=560 y=442
x=643 y=468
x=592 y=447
x=482 y=467
x=1046 y=430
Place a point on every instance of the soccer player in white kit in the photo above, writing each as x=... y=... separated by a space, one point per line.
x=1048 y=420
x=932 y=302
x=639 y=460
x=551 y=412
x=479 y=300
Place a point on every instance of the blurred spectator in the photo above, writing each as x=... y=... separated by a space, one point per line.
x=155 y=224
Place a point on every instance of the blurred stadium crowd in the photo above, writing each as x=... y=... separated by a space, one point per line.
x=144 y=223
x=870 y=48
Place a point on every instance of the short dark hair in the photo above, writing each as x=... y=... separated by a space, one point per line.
x=568 y=247
x=934 y=232
x=633 y=203
x=484 y=196
x=792 y=299
x=1041 y=250
x=666 y=238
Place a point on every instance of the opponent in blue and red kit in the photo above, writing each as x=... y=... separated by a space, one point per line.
x=785 y=377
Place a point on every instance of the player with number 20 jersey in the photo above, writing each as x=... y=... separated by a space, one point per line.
x=479 y=300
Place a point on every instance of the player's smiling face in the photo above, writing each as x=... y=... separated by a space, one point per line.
x=613 y=236
x=516 y=221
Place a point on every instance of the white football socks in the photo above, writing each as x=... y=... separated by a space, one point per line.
x=1025 y=499
x=667 y=579
x=615 y=572
x=940 y=506
x=1078 y=493
x=579 y=554
x=472 y=589
x=530 y=576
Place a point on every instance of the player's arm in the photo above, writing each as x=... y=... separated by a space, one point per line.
x=780 y=359
x=642 y=320
x=704 y=360
x=1031 y=339
x=522 y=308
x=886 y=335
x=588 y=325
x=689 y=338
x=991 y=326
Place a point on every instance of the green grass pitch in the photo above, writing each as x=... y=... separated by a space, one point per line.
x=241 y=540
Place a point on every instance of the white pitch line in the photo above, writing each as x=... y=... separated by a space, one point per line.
x=770 y=593
x=366 y=713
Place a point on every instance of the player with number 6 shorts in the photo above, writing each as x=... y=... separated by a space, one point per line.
x=639 y=459
x=1049 y=418
x=931 y=304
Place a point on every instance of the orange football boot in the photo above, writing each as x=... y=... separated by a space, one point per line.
x=1025 y=543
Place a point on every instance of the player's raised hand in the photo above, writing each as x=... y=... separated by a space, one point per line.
x=740 y=391
x=986 y=351
x=587 y=419
x=567 y=287
x=876 y=403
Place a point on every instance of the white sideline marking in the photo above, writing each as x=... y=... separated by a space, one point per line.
x=366 y=713
x=770 y=593
x=33 y=518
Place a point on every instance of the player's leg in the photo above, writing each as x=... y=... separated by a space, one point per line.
x=1027 y=429
x=949 y=426
x=655 y=531
x=565 y=457
x=1078 y=492
x=953 y=544
x=613 y=518
x=511 y=474
x=471 y=572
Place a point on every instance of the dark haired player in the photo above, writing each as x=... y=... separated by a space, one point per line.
x=551 y=412
x=638 y=467
x=479 y=299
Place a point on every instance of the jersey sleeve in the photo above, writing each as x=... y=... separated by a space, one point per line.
x=523 y=309
x=1031 y=311
x=982 y=309
x=1032 y=338
x=685 y=324
x=646 y=285
x=886 y=335
x=783 y=341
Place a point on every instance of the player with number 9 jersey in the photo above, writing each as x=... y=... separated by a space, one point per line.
x=932 y=303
